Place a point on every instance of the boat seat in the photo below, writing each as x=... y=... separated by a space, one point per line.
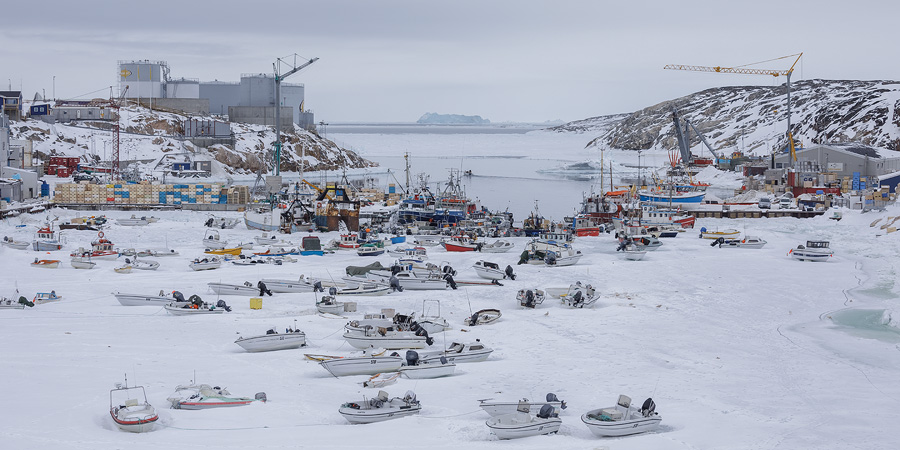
x=131 y=402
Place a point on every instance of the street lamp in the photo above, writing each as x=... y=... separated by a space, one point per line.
x=54 y=87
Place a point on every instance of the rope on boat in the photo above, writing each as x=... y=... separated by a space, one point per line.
x=243 y=428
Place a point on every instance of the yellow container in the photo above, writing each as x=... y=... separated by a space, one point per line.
x=256 y=303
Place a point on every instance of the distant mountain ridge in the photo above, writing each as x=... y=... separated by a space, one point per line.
x=753 y=118
x=451 y=119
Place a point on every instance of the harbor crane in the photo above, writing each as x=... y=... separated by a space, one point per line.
x=749 y=71
x=279 y=77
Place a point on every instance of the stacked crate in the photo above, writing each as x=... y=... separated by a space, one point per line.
x=238 y=195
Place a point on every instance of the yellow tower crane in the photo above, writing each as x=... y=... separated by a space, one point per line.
x=747 y=71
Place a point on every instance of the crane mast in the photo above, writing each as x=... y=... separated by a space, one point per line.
x=278 y=79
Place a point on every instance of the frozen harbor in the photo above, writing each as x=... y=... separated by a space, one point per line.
x=738 y=348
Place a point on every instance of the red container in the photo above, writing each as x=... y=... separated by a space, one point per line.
x=51 y=170
x=63 y=172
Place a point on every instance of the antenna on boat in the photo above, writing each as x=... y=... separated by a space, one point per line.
x=469 y=301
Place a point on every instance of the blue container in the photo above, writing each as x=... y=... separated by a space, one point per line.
x=117 y=186
x=45 y=189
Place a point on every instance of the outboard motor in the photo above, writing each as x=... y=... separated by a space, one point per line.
x=317 y=287
x=332 y=291
x=509 y=273
x=178 y=296
x=209 y=223
x=196 y=300
x=412 y=358
x=395 y=269
x=473 y=320
x=261 y=396
x=395 y=284
x=577 y=299
x=449 y=270
x=450 y=280
x=529 y=299
x=444 y=360
x=223 y=305
x=718 y=242
x=550 y=259
x=648 y=408
x=702 y=230
x=478 y=246
x=546 y=412
x=263 y=289
x=551 y=397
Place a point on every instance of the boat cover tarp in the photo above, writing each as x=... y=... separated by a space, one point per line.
x=362 y=270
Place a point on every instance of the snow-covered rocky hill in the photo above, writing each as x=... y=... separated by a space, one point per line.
x=150 y=140
x=753 y=119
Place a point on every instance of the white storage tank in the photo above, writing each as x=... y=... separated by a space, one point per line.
x=183 y=88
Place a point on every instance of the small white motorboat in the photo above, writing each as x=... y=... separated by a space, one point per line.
x=622 y=419
x=265 y=239
x=369 y=250
x=497 y=247
x=751 y=242
x=648 y=243
x=79 y=262
x=302 y=284
x=193 y=308
x=142 y=300
x=135 y=221
x=45 y=263
x=634 y=253
x=14 y=244
x=234 y=289
x=530 y=298
x=204 y=396
x=483 y=317
x=328 y=305
x=363 y=288
x=273 y=340
x=417 y=369
x=458 y=353
x=498 y=408
x=205 y=263
x=380 y=408
x=130 y=410
x=142 y=265
x=368 y=364
x=410 y=279
x=813 y=251
x=522 y=424
x=46 y=297
x=212 y=240
x=577 y=295
x=381 y=337
x=492 y=271
x=380 y=380
x=12 y=303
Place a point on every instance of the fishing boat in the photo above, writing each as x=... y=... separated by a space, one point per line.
x=278 y=251
x=380 y=408
x=130 y=410
x=727 y=233
x=295 y=217
x=45 y=263
x=212 y=240
x=673 y=194
x=530 y=298
x=362 y=288
x=46 y=297
x=417 y=369
x=205 y=263
x=483 y=317
x=246 y=289
x=273 y=340
x=623 y=419
x=345 y=242
x=160 y=299
x=301 y=284
x=459 y=352
x=751 y=242
x=460 y=244
x=221 y=222
x=550 y=253
x=653 y=215
x=492 y=271
x=500 y=407
x=12 y=303
x=14 y=244
x=367 y=364
x=522 y=423
x=204 y=396
x=634 y=253
x=48 y=239
x=812 y=251
x=411 y=279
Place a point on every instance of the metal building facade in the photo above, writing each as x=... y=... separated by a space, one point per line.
x=145 y=79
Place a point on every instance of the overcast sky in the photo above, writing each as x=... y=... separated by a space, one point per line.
x=392 y=61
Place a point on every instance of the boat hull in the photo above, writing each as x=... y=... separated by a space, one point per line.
x=496 y=409
x=135 y=424
x=364 y=365
x=427 y=371
x=233 y=289
x=513 y=430
x=363 y=342
x=802 y=255
x=272 y=342
x=356 y=416
x=141 y=300
x=620 y=427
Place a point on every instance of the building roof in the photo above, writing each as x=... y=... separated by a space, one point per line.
x=859 y=149
x=15 y=94
x=851 y=148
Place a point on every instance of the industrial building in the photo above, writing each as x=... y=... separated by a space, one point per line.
x=844 y=160
x=12 y=104
x=251 y=100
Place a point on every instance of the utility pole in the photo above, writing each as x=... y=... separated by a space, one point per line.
x=278 y=79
